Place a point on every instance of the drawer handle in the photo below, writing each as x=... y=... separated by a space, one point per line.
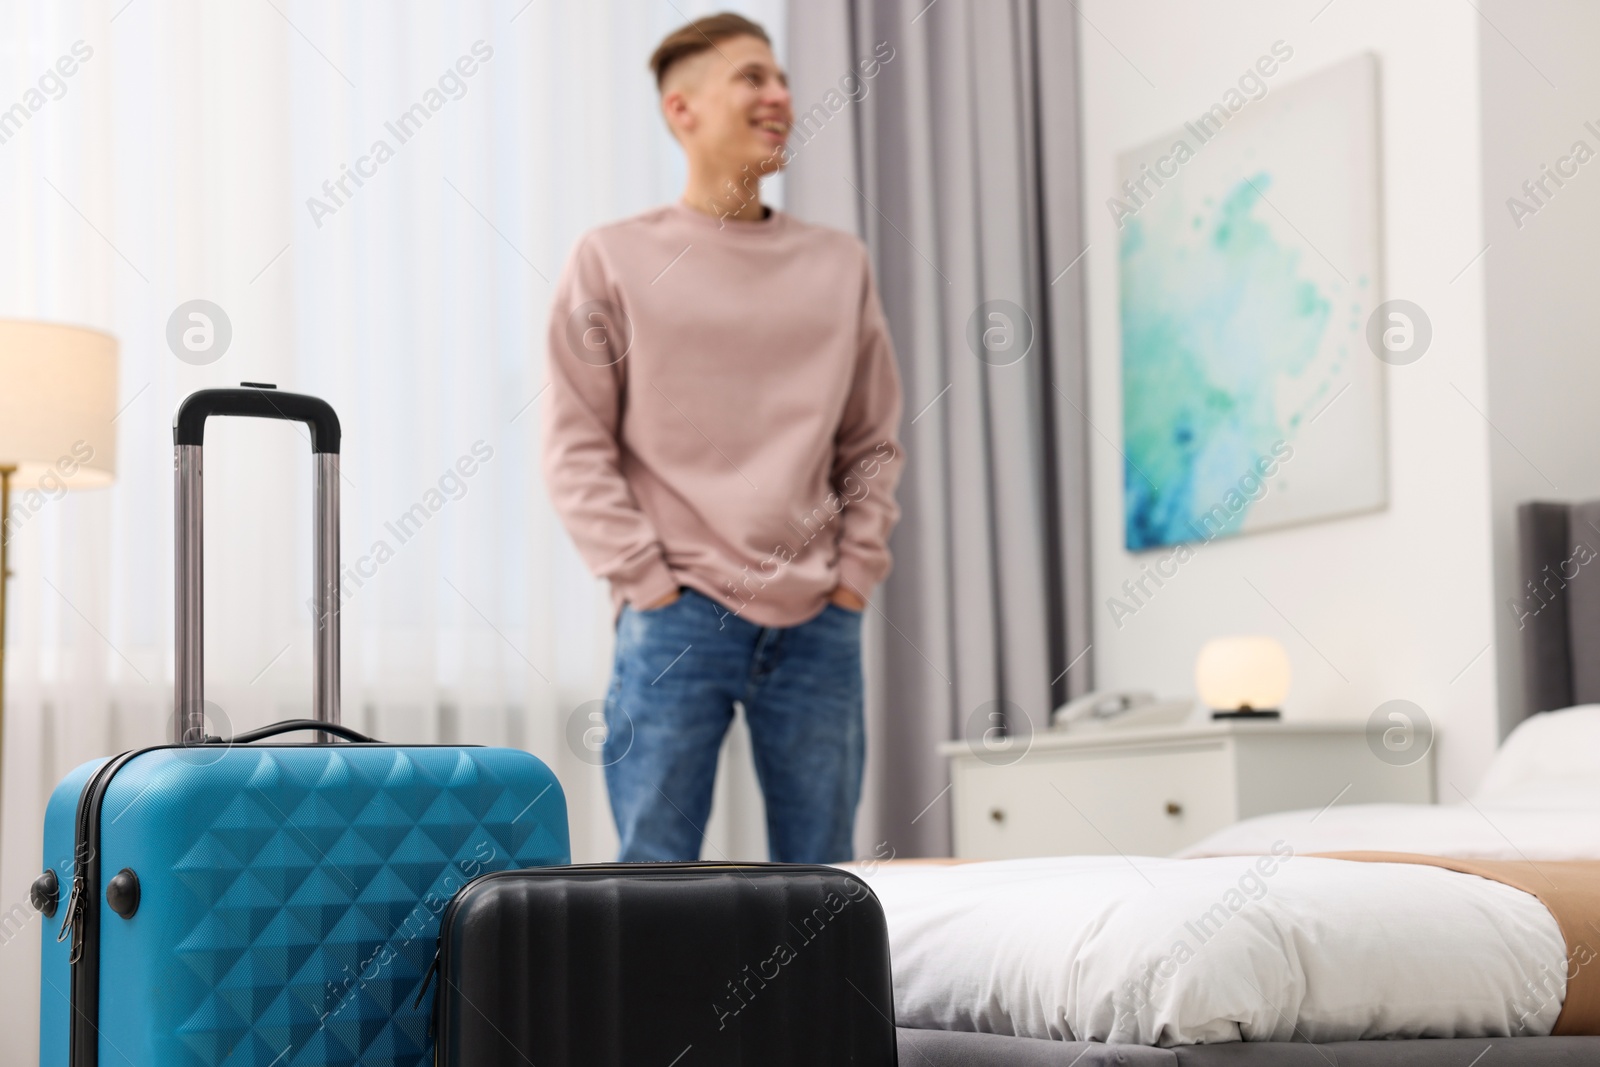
x=1174 y=808
x=997 y=815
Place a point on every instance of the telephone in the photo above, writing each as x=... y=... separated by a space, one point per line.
x=1119 y=710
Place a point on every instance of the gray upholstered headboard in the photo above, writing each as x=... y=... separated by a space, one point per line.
x=1559 y=606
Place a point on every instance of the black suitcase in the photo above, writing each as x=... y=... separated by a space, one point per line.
x=668 y=964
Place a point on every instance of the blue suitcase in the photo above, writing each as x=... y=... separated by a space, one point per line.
x=266 y=901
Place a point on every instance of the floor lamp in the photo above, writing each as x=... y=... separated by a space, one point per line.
x=58 y=397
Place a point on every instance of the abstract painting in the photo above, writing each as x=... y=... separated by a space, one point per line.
x=1249 y=257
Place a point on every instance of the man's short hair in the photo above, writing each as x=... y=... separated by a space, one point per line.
x=701 y=35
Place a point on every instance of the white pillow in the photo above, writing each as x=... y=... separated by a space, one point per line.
x=1551 y=760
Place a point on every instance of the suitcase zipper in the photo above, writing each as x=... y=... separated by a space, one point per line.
x=71 y=919
x=69 y=922
x=82 y=919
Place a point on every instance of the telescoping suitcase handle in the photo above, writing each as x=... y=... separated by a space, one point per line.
x=188 y=435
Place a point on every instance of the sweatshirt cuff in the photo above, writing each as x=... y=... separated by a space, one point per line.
x=859 y=576
x=654 y=582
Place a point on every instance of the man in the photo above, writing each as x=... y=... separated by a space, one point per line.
x=720 y=441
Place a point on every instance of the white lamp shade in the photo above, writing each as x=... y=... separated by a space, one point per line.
x=58 y=395
x=1242 y=672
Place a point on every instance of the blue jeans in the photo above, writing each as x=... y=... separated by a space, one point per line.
x=677 y=673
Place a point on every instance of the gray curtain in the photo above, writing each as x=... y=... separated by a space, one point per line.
x=956 y=160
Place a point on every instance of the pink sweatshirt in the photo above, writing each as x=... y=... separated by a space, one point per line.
x=722 y=412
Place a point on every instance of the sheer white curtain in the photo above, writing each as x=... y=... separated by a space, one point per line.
x=176 y=163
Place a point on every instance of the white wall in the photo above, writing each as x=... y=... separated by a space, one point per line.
x=1539 y=88
x=1394 y=604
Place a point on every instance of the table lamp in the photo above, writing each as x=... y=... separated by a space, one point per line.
x=58 y=395
x=1242 y=677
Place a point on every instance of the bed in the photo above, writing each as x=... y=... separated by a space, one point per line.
x=1254 y=949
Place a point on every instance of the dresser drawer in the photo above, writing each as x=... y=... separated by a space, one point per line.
x=1148 y=801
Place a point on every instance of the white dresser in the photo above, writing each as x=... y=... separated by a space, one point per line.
x=1153 y=791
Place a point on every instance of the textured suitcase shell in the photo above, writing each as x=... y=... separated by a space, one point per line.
x=714 y=965
x=290 y=896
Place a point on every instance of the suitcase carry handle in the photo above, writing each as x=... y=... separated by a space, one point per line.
x=289 y=726
x=188 y=435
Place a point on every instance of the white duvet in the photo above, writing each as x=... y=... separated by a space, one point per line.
x=1259 y=941
x=1169 y=952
